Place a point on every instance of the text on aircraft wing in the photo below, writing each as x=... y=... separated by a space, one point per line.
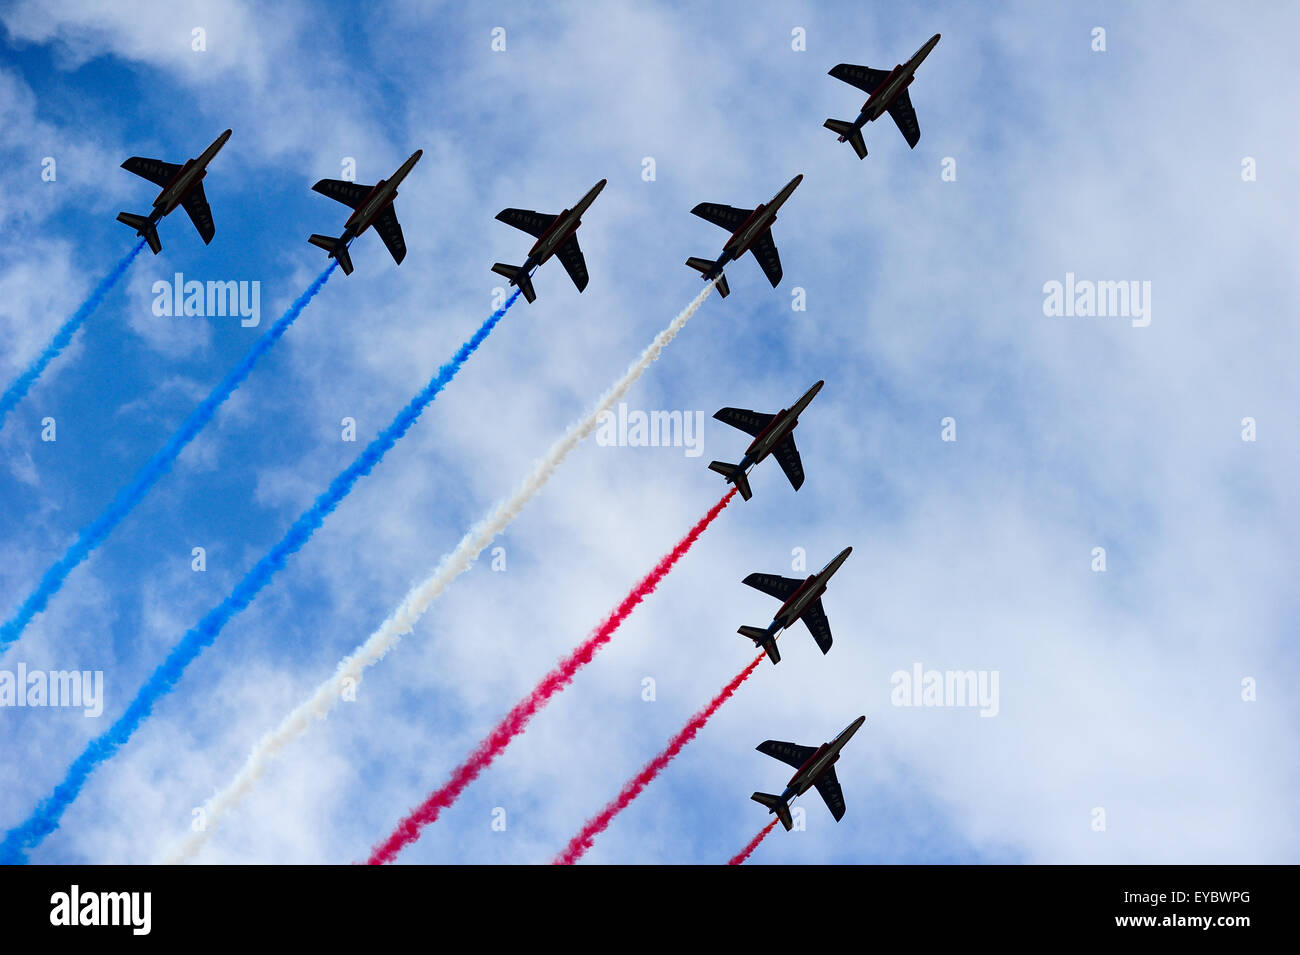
x=829 y=787
x=729 y=217
x=863 y=77
x=750 y=422
x=791 y=753
x=155 y=170
x=905 y=118
x=764 y=249
x=534 y=223
x=348 y=193
x=815 y=617
x=200 y=213
x=390 y=231
x=787 y=455
x=570 y=256
x=773 y=585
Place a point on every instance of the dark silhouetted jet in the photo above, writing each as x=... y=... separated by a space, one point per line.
x=751 y=231
x=773 y=434
x=888 y=91
x=555 y=236
x=813 y=767
x=181 y=186
x=802 y=601
x=371 y=205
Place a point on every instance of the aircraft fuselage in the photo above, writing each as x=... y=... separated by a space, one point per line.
x=826 y=756
x=186 y=178
x=782 y=423
x=811 y=590
x=559 y=231
x=379 y=198
x=892 y=86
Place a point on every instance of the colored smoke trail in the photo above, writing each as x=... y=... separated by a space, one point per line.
x=516 y=721
x=15 y=392
x=402 y=621
x=93 y=534
x=45 y=818
x=748 y=851
x=598 y=823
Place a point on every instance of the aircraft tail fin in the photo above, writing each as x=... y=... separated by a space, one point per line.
x=704 y=267
x=143 y=227
x=848 y=132
x=517 y=276
x=764 y=639
x=336 y=249
x=774 y=804
x=734 y=475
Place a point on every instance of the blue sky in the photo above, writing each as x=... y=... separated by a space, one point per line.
x=1119 y=690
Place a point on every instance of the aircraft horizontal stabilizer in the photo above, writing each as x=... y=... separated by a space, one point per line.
x=704 y=266
x=517 y=276
x=775 y=804
x=143 y=227
x=764 y=639
x=854 y=136
x=336 y=249
x=734 y=475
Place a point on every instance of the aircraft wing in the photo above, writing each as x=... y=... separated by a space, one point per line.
x=829 y=786
x=155 y=170
x=905 y=118
x=534 y=223
x=791 y=753
x=571 y=258
x=750 y=422
x=787 y=455
x=774 y=586
x=390 y=231
x=348 y=193
x=200 y=213
x=729 y=217
x=818 y=625
x=764 y=250
x=863 y=77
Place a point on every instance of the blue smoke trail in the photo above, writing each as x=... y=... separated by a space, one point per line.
x=45 y=818
x=15 y=392
x=93 y=534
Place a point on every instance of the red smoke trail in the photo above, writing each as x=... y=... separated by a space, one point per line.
x=580 y=843
x=514 y=722
x=748 y=851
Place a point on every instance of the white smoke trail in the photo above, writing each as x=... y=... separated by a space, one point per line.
x=413 y=606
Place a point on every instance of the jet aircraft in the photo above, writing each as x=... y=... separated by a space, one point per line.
x=751 y=231
x=371 y=206
x=888 y=89
x=814 y=766
x=555 y=236
x=181 y=186
x=801 y=600
x=773 y=434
